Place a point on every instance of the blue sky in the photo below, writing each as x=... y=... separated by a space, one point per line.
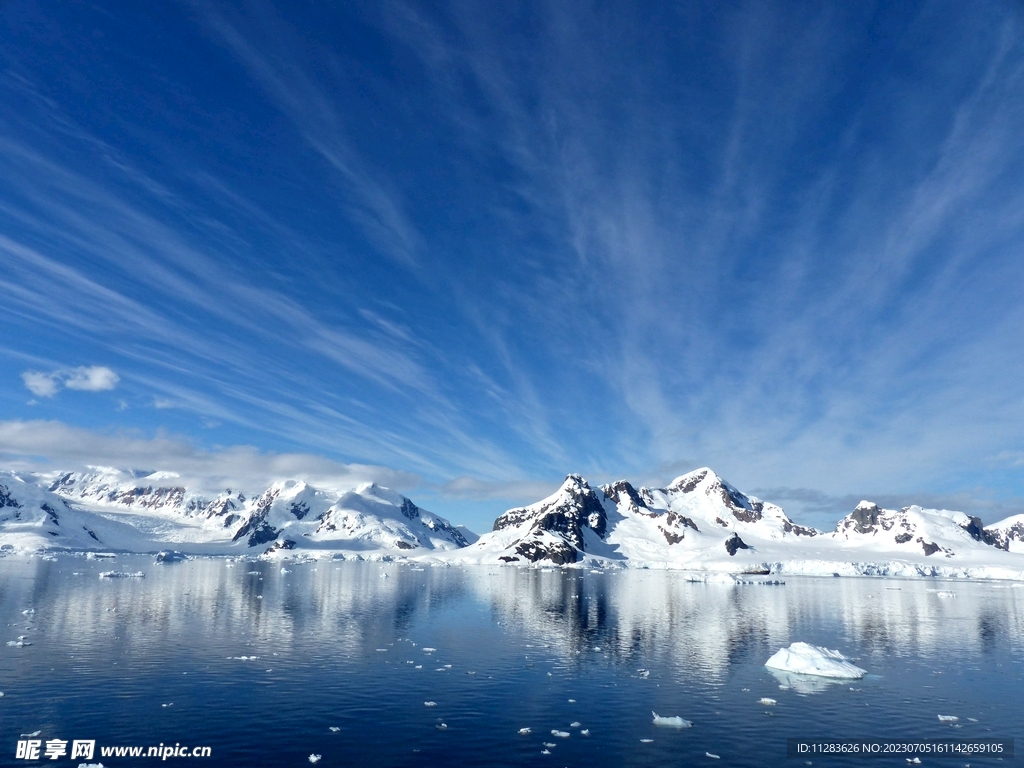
x=465 y=249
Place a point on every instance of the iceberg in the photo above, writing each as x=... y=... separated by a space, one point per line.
x=671 y=722
x=806 y=659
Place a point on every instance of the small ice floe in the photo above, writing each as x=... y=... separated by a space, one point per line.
x=572 y=701
x=334 y=729
x=646 y=741
x=30 y=735
x=644 y=673
x=806 y=659
x=428 y=650
x=914 y=760
x=575 y=724
x=429 y=703
x=285 y=570
x=560 y=734
x=259 y=597
x=545 y=751
x=447 y=666
x=440 y=669
x=382 y=650
x=28 y=611
x=243 y=658
x=1 y=694
x=972 y=719
x=21 y=642
x=945 y=594
x=169 y=704
x=550 y=744
x=585 y=732
x=253 y=573
x=525 y=731
x=122 y=575
x=767 y=702
x=441 y=726
x=713 y=757
x=597 y=648
x=315 y=758
x=418 y=666
x=948 y=718
x=671 y=722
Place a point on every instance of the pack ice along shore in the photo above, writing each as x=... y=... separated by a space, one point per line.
x=698 y=523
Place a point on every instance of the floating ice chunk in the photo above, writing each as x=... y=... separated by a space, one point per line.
x=447 y=666
x=21 y=642
x=948 y=718
x=253 y=573
x=429 y=703
x=525 y=731
x=545 y=751
x=914 y=760
x=171 y=704
x=972 y=719
x=646 y=741
x=441 y=726
x=767 y=702
x=28 y=611
x=243 y=658
x=382 y=650
x=945 y=594
x=575 y=725
x=550 y=744
x=122 y=575
x=644 y=673
x=671 y=722
x=713 y=757
x=429 y=650
x=418 y=666
x=806 y=659
x=585 y=732
x=315 y=758
x=334 y=729
x=560 y=734
x=1 y=694
x=572 y=701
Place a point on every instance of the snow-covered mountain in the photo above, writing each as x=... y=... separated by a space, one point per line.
x=699 y=523
x=150 y=511
x=702 y=523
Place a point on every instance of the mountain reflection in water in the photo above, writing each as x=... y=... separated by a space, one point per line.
x=260 y=661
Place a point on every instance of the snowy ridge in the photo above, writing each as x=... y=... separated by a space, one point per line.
x=147 y=512
x=703 y=524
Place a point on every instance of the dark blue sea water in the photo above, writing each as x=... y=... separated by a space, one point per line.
x=336 y=644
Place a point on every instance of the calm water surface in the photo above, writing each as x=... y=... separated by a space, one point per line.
x=343 y=645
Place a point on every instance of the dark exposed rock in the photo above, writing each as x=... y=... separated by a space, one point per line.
x=51 y=513
x=558 y=552
x=929 y=547
x=672 y=538
x=675 y=519
x=508 y=559
x=93 y=535
x=735 y=543
x=6 y=499
x=903 y=538
x=404 y=545
x=410 y=510
x=687 y=483
x=299 y=508
x=798 y=530
x=865 y=517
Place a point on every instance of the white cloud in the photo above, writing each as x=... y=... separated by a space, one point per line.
x=93 y=378
x=40 y=384
x=52 y=445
